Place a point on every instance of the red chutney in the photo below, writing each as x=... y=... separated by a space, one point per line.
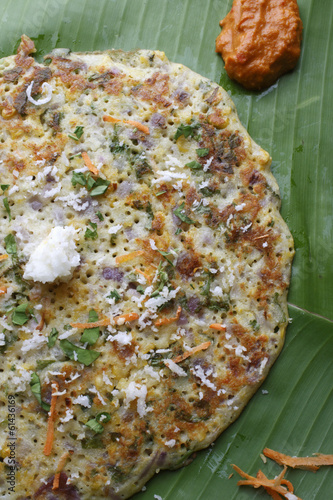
x=260 y=41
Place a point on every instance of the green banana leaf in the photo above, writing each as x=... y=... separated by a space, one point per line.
x=292 y=121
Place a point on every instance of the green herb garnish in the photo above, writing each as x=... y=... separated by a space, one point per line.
x=201 y=152
x=85 y=356
x=77 y=133
x=95 y=423
x=52 y=337
x=194 y=165
x=91 y=335
x=91 y=234
x=21 y=314
x=6 y=205
x=114 y=295
x=180 y=213
x=37 y=391
x=186 y=130
x=43 y=363
x=96 y=187
x=10 y=244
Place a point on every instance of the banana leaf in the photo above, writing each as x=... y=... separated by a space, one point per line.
x=292 y=121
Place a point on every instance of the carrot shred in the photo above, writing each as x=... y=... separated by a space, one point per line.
x=128 y=256
x=138 y=125
x=145 y=275
x=133 y=123
x=88 y=163
x=50 y=423
x=272 y=493
x=271 y=485
x=200 y=347
x=3 y=256
x=118 y=320
x=111 y=119
x=61 y=465
x=167 y=321
x=306 y=463
x=124 y=318
x=217 y=326
x=3 y=289
x=101 y=322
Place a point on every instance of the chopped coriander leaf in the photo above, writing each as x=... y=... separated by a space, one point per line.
x=37 y=391
x=43 y=363
x=90 y=335
x=140 y=289
x=91 y=234
x=10 y=244
x=99 y=187
x=201 y=152
x=194 y=165
x=186 y=130
x=180 y=213
x=52 y=337
x=114 y=295
x=67 y=327
x=90 y=182
x=4 y=187
x=6 y=205
x=206 y=287
x=178 y=231
x=96 y=187
x=160 y=193
x=99 y=215
x=85 y=356
x=78 y=178
x=21 y=314
x=93 y=316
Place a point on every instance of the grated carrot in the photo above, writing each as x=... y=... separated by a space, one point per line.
x=88 y=163
x=272 y=486
x=200 y=347
x=217 y=326
x=274 y=494
x=124 y=318
x=138 y=125
x=128 y=256
x=167 y=321
x=133 y=123
x=3 y=256
x=101 y=322
x=61 y=465
x=3 y=289
x=145 y=275
x=118 y=320
x=111 y=119
x=306 y=463
x=50 y=423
